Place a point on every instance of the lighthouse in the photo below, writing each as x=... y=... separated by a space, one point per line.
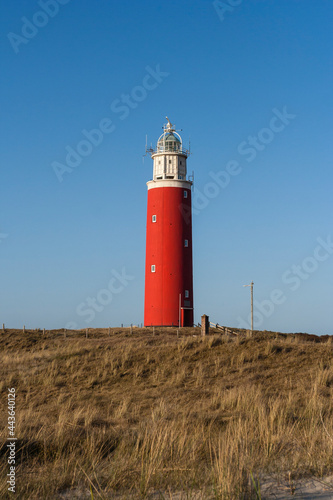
x=169 y=269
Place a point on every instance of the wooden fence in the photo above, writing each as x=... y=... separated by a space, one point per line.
x=223 y=329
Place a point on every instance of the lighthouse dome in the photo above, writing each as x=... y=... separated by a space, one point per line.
x=168 y=142
x=171 y=137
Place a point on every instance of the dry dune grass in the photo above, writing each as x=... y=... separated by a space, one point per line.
x=128 y=416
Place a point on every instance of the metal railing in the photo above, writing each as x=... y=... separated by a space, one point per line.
x=161 y=150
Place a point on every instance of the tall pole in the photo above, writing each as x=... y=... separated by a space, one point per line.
x=251 y=285
x=252 y=306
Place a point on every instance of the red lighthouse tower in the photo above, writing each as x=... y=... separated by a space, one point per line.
x=169 y=274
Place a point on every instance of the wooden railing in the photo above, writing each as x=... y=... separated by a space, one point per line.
x=223 y=329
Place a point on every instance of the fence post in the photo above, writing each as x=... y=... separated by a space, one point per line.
x=153 y=331
x=204 y=325
x=86 y=333
x=109 y=331
x=131 y=328
x=65 y=333
x=23 y=328
x=3 y=327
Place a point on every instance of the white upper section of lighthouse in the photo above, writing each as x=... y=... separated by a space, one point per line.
x=169 y=156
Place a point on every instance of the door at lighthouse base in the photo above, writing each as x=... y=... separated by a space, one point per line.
x=187 y=317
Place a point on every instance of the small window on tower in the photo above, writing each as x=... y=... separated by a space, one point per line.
x=170 y=161
x=185 y=194
x=153 y=218
x=180 y=162
x=153 y=268
x=187 y=294
x=186 y=243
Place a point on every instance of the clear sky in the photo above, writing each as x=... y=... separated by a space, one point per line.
x=249 y=83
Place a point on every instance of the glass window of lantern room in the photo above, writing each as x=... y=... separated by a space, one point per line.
x=185 y=194
x=187 y=294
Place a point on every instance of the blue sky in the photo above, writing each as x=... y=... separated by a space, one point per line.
x=222 y=73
